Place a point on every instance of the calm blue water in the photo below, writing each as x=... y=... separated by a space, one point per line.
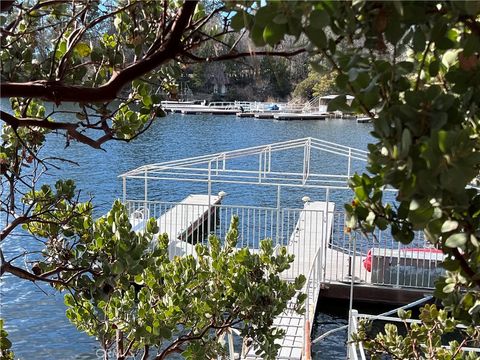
x=34 y=315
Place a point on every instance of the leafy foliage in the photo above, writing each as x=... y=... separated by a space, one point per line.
x=5 y=344
x=316 y=84
x=181 y=305
x=423 y=340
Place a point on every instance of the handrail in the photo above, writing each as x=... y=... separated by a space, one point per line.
x=314 y=272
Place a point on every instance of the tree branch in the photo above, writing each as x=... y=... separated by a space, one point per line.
x=232 y=56
x=57 y=91
x=465 y=267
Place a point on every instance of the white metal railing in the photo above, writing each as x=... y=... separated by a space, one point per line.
x=312 y=105
x=335 y=258
x=356 y=349
x=382 y=261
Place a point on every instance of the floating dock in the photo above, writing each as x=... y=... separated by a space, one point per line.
x=245 y=114
x=181 y=222
x=332 y=258
x=301 y=116
x=285 y=116
x=207 y=111
x=264 y=115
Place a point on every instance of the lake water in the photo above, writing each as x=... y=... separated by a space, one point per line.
x=35 y=315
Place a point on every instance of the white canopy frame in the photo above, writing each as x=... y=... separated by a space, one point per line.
x=215 y=168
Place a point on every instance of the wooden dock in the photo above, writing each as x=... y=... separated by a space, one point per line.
x=245 y=114
x=207 y=111
x=312 y=231
x=300 y=116
x=264 y=115
x=284 y=115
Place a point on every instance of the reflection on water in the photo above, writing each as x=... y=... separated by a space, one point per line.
x=35 y=315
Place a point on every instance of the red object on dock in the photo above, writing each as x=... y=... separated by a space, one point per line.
x=367 y=262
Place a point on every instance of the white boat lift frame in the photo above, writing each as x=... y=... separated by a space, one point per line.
x=214 y=168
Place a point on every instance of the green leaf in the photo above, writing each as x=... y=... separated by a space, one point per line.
x=316 y=36
x=263 y=16
x=339 y=103
x=456 y=240
x=62 y=48
x=319 y=19
x=117 y=21
x=394 y=31
x=273 y=33
x=257 y=35
x=420 y=216
x=280 y=19
x=238 y=21
x=69 y=300
x=449 y=225
x=450 y=57
x=419 y=40
x=447 y=289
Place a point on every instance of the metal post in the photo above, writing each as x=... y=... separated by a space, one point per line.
x=145 y=205
x=231 y=348
x=325 y=244
x=209 y=186
x=260 y=168
x=350 y=306
x=349 y=162
x=307 y=342
x=124 y=181
x=269 y=159
x=265 y=164
x=309 y=154
x=398 y=266
x=350 y=350
x=278 y=217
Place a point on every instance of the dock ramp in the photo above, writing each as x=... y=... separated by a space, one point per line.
x=308 y=243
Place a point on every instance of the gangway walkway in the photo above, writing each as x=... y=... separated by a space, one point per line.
x=308 y=243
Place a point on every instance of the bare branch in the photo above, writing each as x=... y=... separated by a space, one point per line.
x=57 y=91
